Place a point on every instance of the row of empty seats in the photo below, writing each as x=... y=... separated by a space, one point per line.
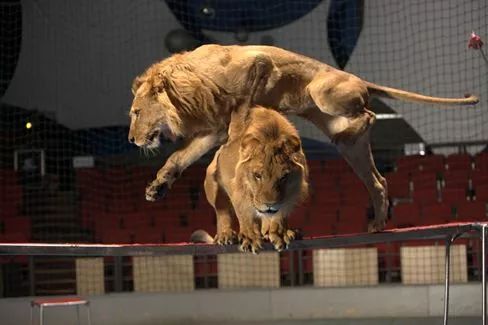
x=424 y=190
x=430 y=189
x=14 y=227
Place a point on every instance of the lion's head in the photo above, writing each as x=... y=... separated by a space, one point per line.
x=171 y=100
x=272 y=170
x=152 y=115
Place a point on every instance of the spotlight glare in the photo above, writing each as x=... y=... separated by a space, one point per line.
x=28 y=125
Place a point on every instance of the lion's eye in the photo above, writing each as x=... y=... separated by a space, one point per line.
x=257 y=176
x=136 y=113
x=284 y=177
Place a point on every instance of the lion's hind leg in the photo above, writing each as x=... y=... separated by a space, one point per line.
x=337 y=93
x=360 y=158
x=357 y=126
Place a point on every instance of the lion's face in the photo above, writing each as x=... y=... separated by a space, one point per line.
x=273 y=173
x=150 y=119
x=170 y=100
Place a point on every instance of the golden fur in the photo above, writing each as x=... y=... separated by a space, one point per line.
x=192 y=95
x=259 y=175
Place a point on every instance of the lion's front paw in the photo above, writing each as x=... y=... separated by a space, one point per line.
x=156 y=190
x=226 y=237
x=281 y=240
x=250 y=242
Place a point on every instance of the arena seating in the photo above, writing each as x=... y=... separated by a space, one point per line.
x=424 y=190
x=13 y=226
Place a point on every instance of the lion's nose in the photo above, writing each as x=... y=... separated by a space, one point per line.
x=131 y=139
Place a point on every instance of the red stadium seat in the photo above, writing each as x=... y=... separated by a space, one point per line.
x=407 y=164
x=479 y=177
x=326 y=198
x=148 y=235
x=352 y=227
x=352 y=219
x=398 y=185
x=336 y=166
x=422 y=180
x=324 y=181
x=320 y=222
x=355 y=197
x=437 y=213
x=349 y=180
x=352 y=214
x=205 y=266
x=454 y=196
x=432 y=163
x=135 y=221
x=299 y=216
x=117 y=236
x=459 y=161
x=456 y=179
x=177 y=235
x=389 y=256
x=481 y=193
x=425 y=196
x=472 y=211
x=105 y=223
x=315 y=167
x=406 y=214
x=481 y=161
x=172 y=219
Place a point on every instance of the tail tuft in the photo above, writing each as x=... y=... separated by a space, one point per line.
x=472 y=99
x=201 y=236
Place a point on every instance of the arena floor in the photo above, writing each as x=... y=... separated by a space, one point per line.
x=372 y=321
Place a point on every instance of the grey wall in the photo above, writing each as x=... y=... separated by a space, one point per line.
x=422 y=46
x=78 y=58
x=387 y=302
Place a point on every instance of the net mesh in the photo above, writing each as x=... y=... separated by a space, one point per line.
x=68 y=173
x=415 y=262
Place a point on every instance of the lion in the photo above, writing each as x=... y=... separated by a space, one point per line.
x=259 y=175
x=192 y=95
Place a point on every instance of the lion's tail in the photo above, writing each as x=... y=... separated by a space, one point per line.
x=394 y=93
x=201 y=236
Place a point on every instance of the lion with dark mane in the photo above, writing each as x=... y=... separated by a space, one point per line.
x=192 y=95
x=259 y=175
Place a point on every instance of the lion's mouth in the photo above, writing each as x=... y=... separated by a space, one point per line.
x=153 y=136
x=153 y=139
x=268 y=211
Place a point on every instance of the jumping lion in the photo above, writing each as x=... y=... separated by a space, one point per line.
x=191 y=95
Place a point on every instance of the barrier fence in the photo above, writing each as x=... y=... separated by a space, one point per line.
x=450 y=253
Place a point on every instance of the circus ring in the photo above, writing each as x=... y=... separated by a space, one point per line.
x=448 y=233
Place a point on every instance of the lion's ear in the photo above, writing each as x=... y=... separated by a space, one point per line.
x=136 y=84
x=159 y=83
x=291 y=144
x=248 y=145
